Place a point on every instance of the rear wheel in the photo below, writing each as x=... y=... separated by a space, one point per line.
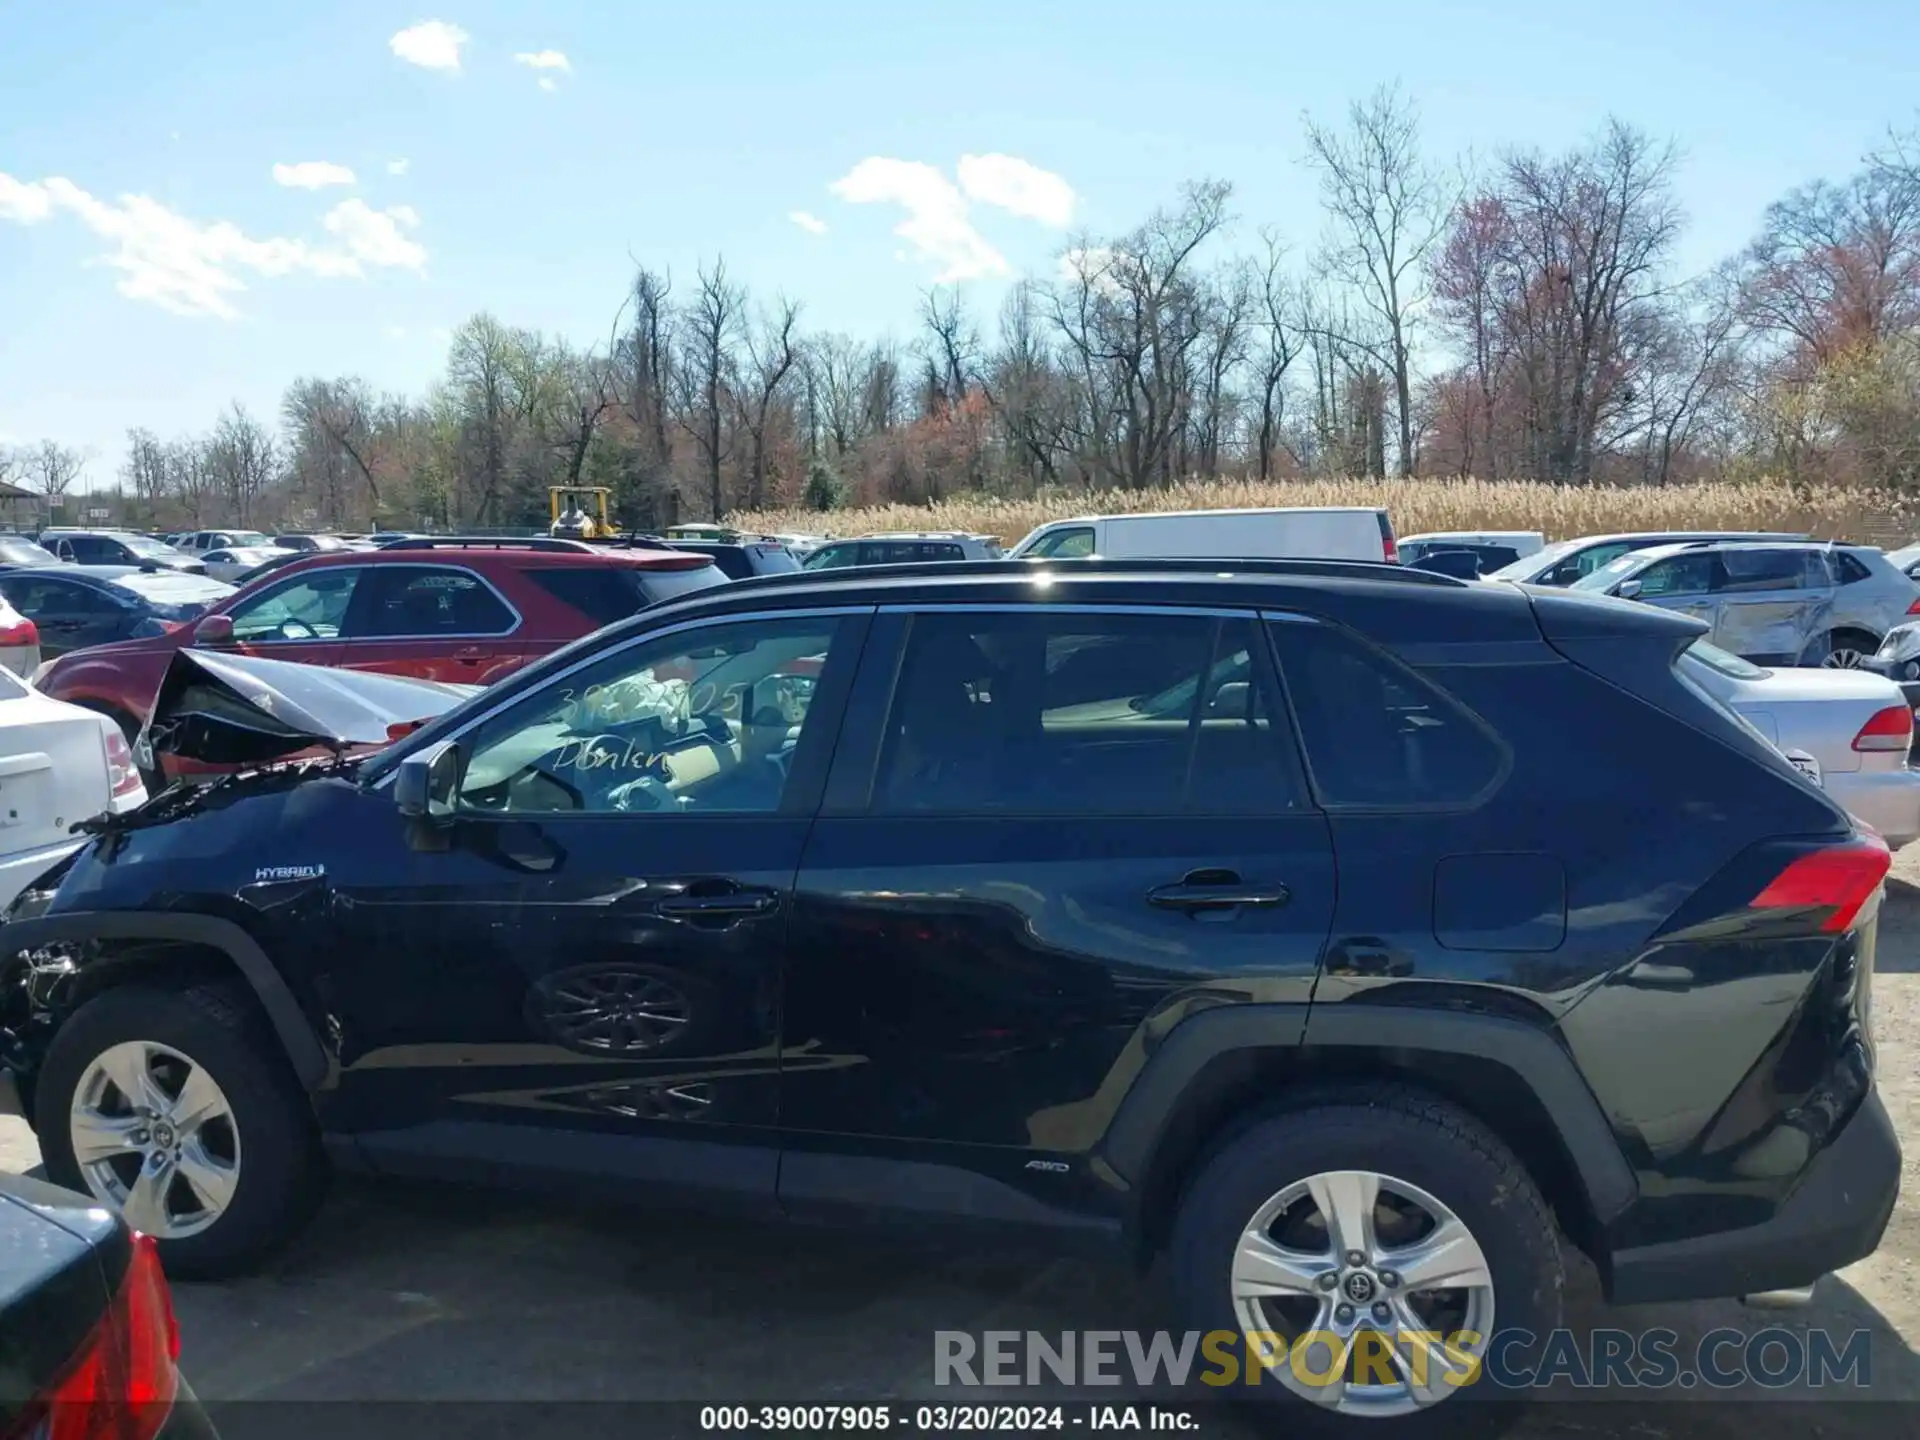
x=1845 y=649
x=1367 y=1246
x=174 y=1108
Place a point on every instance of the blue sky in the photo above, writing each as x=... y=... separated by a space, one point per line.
x=676 y=131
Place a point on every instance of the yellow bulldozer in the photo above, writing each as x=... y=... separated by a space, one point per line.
x=580 y=513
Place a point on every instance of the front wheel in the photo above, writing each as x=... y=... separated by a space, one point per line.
x=172 y=1107
x=1364 y=1250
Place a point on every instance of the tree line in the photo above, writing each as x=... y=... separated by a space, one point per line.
x=1520 y=318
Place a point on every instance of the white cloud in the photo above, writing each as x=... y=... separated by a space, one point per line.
x=1101 y=268
x=191 y=268
x=312 y=174
x=812 y=224
x=543 y=60
x=374 y=236
x=432 y=45
x=936 y=225
x=1018 y=187
x=398 y=167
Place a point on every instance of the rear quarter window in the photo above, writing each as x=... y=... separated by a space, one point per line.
x=1376 y=733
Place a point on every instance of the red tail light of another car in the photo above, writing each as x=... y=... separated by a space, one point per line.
x=23 y=633
x=121 y=1383
x=1888 y=729
x=122 y=774
x=1838 y=878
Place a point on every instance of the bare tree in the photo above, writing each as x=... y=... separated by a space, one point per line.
x=710 y=328
x=144 y=472
x=1276 y=324
x=1387 y=209
x=245 y=459
x=52 y=468
x=772 y=352
x=481 y=367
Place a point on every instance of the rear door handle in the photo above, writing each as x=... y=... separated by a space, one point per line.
x=1216 y=890
x=713 y=903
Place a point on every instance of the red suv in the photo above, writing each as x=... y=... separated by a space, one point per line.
x=465 y=611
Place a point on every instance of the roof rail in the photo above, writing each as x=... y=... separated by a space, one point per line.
x=1382 y=570
x=490 y=542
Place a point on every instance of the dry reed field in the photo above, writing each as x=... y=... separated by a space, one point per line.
x=1868 y=516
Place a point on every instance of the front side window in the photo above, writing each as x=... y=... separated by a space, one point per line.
x=1690 y=574
x=1066 y=714
x=405 y=602
x=310 y=607
x=1375 y=733
x=1581 y=564
x=833 y=557
x=704 y=721
x=1065 y=544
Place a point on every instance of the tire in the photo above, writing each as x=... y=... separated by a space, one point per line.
x=1842 y=650
x=1417 y=1144
x=264 y=1150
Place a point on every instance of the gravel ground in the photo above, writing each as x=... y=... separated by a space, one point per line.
x=403 y=1292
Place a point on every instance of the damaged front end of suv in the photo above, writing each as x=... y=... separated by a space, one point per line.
x=245 y=733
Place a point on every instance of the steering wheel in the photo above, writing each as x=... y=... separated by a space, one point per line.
x=291 y=629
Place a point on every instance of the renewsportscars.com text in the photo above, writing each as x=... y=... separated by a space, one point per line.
x=1657 y=1359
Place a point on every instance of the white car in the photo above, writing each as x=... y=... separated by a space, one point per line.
x=229 y=564
x=1854 y=728
x=59 y=765
x=19 y=641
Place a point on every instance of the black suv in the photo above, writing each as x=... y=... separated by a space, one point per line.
x=1253 y=917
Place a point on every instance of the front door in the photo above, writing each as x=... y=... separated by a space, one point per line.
x=1684 y=582
x=1049 y=833
x=298 y=618
x=577 y=970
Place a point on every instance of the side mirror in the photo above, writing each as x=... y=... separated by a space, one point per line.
x=425 y=783
x=1628 y=590
x=213 y=631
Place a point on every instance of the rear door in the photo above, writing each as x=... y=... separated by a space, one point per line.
x=69 y=616
x=1034 y=846
x=1768 y=601
x=434 y=622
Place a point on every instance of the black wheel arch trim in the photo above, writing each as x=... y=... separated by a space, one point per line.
x=1531 y=1054
x=289 y=1021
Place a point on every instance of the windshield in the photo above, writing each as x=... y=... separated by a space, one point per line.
x=1726 y=662
x=1537 y=563
x=18 y=550
x=149 y=549
x=174 y=598
x=1613 y=572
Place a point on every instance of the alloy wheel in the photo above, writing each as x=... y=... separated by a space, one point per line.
x=617 y=1011
x=154 y=1137
x=1363 y=1278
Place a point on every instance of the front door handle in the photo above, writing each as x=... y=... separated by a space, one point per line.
x=709 y=904
x=1203 y=890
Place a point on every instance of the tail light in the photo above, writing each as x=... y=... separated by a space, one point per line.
x=1389 y=551
x=1838 y=878
x=1888 y=729
x=122 y=774
x=121 y=1383
x=1914 y=608
x=23 y=633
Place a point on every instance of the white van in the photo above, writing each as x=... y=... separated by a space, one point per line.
x=1330 y=532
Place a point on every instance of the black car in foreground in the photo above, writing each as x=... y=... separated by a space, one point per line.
x=87 y=1338
x=74 y=606
x=1246 y=916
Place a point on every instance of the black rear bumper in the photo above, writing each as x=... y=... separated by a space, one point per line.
x=1835 y=1216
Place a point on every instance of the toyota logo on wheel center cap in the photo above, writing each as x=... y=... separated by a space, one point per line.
x=1358 y=1287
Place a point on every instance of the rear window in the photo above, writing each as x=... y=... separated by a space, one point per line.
x=774 y=559
x=601 y=593
x=1375 y=733
x=664 y=585
x=18 y=550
